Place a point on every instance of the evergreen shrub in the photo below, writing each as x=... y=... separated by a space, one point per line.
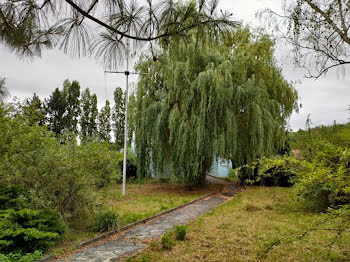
x=23 y=229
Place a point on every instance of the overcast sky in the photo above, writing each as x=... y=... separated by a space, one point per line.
x=325 y=99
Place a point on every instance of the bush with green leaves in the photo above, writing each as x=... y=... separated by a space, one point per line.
x=168 y=240
x=18 y=257
x=307 y=141
x=11 y=197
x=322 y=182
x=106 y=220
x=23 y=229
x=51 y=173
x=180 y=232
x=266 y=172
x=55 y=175
x=101 y=162
x=325 y=181
x=29 y=230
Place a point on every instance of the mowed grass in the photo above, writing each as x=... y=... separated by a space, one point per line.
x=244 y=228
x=144 y=200
x=141 y=201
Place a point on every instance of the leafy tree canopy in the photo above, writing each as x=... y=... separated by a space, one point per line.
x=104 y=123
x=33 y=111
x=56 y=109
x=71 y=92
x=118 y=116
x=225 y=97
x=89 y=115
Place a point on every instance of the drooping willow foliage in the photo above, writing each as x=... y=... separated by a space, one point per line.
x=225 y=98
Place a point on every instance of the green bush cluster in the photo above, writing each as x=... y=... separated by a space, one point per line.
x=59 y=178
x=23 y=229
x=325 y=181
x=319 y=168
x=55 y=175
x=167 y=240
x=322 y=182
x=176 y=233
x=275 y=175
x=18 y=257
x=307 y=142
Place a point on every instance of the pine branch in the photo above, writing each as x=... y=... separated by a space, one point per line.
x=151 y=38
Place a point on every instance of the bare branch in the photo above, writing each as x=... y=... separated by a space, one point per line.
x=329 y=20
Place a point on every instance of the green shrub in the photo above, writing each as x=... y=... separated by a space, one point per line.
x=100 y=161
x=232 y=175
x=18 y=257
x=106 y=220
x=326 y=181
x=54 y=175
x=180 y=232
x=322 y=188
x=23 y=229
x=28 y=230
x=267 y=172
x=167 y=240
x=11 y=197
x=322 y=182
x=50 y=173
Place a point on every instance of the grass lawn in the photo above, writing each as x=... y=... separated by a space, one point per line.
x=243 y=228
x=141 y=201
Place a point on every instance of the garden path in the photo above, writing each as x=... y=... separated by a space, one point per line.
x=136 y=239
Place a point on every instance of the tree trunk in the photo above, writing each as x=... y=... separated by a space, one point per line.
x=200 y=180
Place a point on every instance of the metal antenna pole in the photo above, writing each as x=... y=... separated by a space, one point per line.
x=127 y=73
x=126 y=115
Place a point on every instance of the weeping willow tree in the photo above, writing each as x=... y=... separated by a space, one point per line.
x=224 y=97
